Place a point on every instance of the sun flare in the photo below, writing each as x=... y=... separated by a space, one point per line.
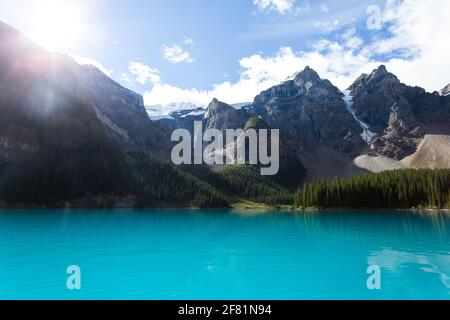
x=56 y=25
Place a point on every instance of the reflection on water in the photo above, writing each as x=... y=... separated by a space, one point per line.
x=218 y=254
x=394 y=261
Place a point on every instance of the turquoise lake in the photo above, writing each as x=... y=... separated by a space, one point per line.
x=221 y=254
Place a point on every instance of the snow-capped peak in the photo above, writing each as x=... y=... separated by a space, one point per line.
x=164 y=111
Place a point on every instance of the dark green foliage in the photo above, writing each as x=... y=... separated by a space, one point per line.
x=59 y=175
x=401 y=189
x=70 y=156
x=247 y=183
x=243 y=182
x=159 y=183
x=292 y=173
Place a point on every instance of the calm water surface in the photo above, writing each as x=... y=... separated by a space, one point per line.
x=219 y=254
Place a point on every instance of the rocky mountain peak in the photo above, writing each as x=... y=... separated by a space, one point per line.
x=216 y=106
x=305 y=84
x=381 y=69
x=308 y=74
x=220 y=115
x=215 y=103
x=379 y=77
x=398 y=113
x=382 y=73
x=445 y=91
x=309 y=111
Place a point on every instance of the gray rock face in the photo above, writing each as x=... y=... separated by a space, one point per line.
x=398 y=113
x=445 y=91
x=310 y=111
x=222 y=116
x=121 y=110
x=374 y=95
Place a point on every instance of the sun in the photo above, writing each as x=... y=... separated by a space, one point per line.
x=56 y=24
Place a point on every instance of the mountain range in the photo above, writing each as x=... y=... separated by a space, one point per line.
x=71 y=136
x=377 y=122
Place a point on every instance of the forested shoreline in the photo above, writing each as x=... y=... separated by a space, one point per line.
x=400 y=189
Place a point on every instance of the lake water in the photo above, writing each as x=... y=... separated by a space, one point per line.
x=220 y=254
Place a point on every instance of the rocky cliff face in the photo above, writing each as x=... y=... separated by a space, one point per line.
x=399 y=114
x=122 y=111
x=222 y=116
x=445 y=91
x=310 y=112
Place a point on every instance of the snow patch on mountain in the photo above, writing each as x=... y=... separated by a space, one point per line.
x=367 y=135
x=242 y=105
x=197 y=112
x=446 y=91
x=160 y=111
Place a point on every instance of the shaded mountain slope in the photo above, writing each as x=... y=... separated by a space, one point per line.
x=66 y=132
x=53 y=146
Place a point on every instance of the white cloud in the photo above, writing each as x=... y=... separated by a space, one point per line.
x=327 y=26
x=188 y=41
x=143 y=73
x=418 y=31
x=421 y=30
x=324 y=8
x=125 y=78
x=88 y=61
x=334 y=62
x=351 y=39
x=281 y=6
x=176 y=54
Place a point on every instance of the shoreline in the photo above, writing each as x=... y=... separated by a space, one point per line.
x=241 y=206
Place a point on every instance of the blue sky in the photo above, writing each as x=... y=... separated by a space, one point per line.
x=179 y=50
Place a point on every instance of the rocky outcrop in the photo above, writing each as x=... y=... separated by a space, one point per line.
x=310 y=112
x=400 y=115
x=445 y=91
x=222 y=116
x=121 y=110
x=374 y=95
